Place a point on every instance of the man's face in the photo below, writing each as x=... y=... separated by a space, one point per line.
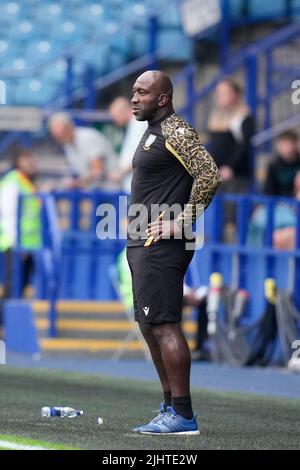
x=120 y=113
x=27 y=164
x=63 y=132
x=146 y=100
x=225 y=96
x=287 y=148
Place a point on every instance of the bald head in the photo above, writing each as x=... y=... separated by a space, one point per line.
x=158 y=80
x=61 y=127
x=152 y=95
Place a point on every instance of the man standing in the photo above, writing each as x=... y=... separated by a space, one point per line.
x=19 y=181
x=89 y=154
x=170 y=168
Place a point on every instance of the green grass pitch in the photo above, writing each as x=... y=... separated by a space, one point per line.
x=227 y=420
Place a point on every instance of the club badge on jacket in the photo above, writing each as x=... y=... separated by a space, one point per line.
x=149 y=142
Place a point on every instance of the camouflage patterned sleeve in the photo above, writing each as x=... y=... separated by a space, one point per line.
x=184 y=143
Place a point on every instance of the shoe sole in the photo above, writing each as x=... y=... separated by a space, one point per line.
x=182 y=433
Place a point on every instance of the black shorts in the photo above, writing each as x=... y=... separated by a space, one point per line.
x=157 y=280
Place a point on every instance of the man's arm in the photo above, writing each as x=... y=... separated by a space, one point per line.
x=242 y=146
x=119 y=174
x=9 y=211
x=96 y=170
x=184 y=143
x=100 y=156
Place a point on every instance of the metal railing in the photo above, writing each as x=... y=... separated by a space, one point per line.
x=243 y=248
x=60 y=243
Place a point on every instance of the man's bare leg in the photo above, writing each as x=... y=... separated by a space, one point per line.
x=158 y=362
x=176 y=359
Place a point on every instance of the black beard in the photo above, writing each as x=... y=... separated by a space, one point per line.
x=148 y=115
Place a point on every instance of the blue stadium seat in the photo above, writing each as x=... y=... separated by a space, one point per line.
x=34 y=32
x=171 y=19
x=68 y=32
x=96 y=57
x=23 y=30
x=267 y=7
x=31 y=90
x=7 y=50
x=183 y=49
x=92 y=15
x=236 y=8
x=10 y=11
x=41 y=51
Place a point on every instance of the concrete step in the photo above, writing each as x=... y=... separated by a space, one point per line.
x=78 y=311
x=79 y=306
x=96 y=329
x=84 y=316
x=57 y=345
x=85 y=308
x=90 y=327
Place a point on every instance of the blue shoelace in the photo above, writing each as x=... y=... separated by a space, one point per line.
x=167 y=417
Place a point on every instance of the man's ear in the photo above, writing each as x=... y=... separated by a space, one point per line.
x=163 y=100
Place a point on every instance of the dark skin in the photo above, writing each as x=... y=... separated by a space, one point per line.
x=152 y=101
x=152 y=96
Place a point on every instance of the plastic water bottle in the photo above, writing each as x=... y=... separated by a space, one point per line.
x=60 y=411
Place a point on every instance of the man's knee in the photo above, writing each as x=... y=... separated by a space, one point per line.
x=163 y=330
x=159 y=331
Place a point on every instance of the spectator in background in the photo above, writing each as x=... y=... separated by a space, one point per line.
x=285 y=222
x=121 y=112
x=283 y=179
x=285 y=238
x=89 y=153
x=230 y=128
x=282 y=170
x=19 y=180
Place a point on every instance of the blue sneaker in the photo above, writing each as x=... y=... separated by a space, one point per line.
x=162 y=411
x=171 y=423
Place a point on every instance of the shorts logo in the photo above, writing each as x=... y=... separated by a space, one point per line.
x=146 y=310
x=149 y=141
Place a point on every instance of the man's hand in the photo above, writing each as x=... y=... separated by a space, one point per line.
x=115 y=176
x=47 y=186
x=227 y=173
x=162 y=229
x=71 y=183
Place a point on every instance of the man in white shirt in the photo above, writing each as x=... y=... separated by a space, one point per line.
x=121 y=113
x=89 y=153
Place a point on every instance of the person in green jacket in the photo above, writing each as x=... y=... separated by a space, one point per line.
x=125 y=282
x=19 y=181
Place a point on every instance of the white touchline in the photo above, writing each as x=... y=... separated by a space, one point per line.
x=15 y=446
